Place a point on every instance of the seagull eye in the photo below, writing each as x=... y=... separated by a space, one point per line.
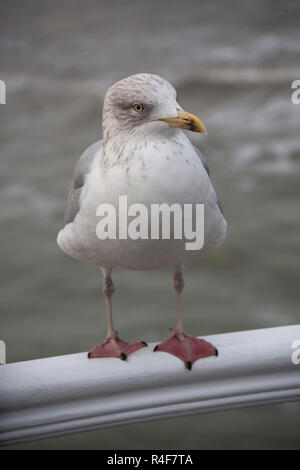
x=138 y=107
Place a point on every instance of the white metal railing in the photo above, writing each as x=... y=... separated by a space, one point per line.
x=66 y=394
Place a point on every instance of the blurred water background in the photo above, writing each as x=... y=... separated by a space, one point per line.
x=233 y=64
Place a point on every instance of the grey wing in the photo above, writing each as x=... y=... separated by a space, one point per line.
x=203 y=160
x=82 y=168
x=205 y=164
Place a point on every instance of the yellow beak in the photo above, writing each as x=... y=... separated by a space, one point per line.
x=186 y=121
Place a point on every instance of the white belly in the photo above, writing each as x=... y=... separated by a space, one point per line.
x=165 y=174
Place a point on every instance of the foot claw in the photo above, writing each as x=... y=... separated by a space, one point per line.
x=89 y=355
x=144 y=342
x=123 y=356
x=189 y=365
x=217 y=352
x=156 y=348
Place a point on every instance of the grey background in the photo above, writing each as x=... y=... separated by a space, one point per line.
x=233 y=64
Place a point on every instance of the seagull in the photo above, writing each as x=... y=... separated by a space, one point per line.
x=145 y=156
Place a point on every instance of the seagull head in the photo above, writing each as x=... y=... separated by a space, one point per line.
x=145 y=103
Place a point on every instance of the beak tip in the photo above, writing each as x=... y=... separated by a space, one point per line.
x=187 y=121
x=201 y=130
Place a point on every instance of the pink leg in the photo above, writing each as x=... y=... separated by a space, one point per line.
x=185 y=347
x=113 y=346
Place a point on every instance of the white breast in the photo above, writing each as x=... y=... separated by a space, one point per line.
x=156 y=169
